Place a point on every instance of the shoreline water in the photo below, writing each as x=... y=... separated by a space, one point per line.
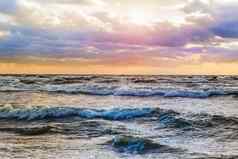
x=90 y=116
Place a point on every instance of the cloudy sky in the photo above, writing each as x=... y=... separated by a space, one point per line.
x=119 y=36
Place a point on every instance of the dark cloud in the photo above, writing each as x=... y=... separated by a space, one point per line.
x=226 y=29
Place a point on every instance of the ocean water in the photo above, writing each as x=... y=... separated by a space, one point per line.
x=111 y=117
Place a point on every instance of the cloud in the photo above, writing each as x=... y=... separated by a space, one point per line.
x=75 y=2
x=82 y=29
x=4 y=34
x=226 y=24
x=197 y=6
x=218 y=16
x=31 y=40
x=8 y=6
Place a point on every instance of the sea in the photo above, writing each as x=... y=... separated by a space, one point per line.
x=112 y=117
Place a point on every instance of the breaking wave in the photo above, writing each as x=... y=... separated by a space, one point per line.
x=145 y=91
x=169 y=86
x=168 y=118
x=39 y=113
x=141 y=92
x=217 y=126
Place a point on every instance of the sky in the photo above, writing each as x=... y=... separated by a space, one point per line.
x=119 y=36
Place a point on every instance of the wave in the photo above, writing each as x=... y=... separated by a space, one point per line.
x=143 y=80
x=164 y=117
x=29 y=131
x=210 y=125
x=171 y=120
x=197 y=94
x=138 y=145
x=185 y=87
x=68 y=127
x=142 y=92
x=217 y=126
x=40 y=113
x=54 y=80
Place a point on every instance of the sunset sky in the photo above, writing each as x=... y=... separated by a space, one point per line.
x=119 y=36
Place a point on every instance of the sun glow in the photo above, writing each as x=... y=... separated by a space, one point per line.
x=139 y=16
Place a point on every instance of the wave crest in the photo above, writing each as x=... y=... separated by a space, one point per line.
x=138 y=145
x=39 y=113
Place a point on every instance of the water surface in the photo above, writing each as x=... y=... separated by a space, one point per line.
x=118 y=117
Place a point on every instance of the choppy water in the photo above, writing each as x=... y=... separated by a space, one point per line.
x=108 y=117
